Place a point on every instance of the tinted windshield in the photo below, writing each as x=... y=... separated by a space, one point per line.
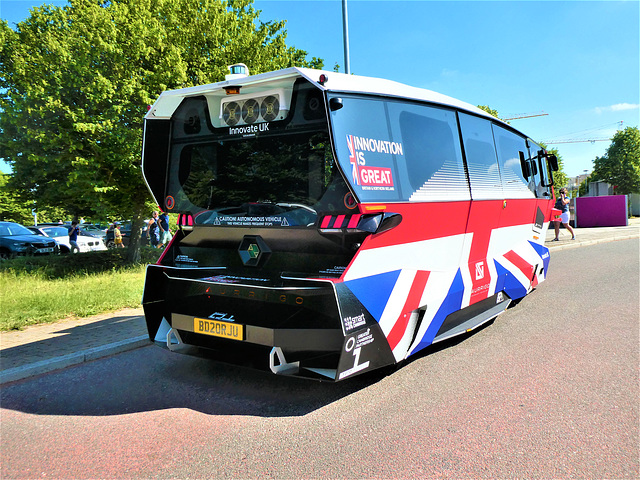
x=280 y=174
x=289 y=177
x=11 y=229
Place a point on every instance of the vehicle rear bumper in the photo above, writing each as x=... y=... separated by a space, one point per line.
x=292 y=326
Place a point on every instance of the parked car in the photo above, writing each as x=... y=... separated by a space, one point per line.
x=86 y=242
x=95 y=230
x=125 y=230
x=16 y=239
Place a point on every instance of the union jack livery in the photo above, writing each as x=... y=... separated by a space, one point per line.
x=332 y=224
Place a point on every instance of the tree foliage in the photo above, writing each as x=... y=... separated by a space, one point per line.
x=75 y=83
x=489 y=110
x=620 y=165
x=12 y=209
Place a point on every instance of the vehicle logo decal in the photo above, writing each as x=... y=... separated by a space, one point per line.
x=253 y=250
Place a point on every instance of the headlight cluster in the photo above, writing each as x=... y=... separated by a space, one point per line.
x=21 y=246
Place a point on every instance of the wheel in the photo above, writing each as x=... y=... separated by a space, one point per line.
x=111 y=244
x=5 y=254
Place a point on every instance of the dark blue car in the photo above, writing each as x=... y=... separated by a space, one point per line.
x=18 y=240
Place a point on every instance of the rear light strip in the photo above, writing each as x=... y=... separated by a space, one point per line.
x=340 y=221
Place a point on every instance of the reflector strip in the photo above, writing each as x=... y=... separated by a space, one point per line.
x=372 y=208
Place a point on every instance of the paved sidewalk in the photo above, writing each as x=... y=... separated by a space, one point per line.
x=589 y=236
x=44 y=348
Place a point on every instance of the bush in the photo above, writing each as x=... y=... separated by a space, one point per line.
x=62 y=266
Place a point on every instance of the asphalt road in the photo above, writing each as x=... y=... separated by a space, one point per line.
x=550 y=389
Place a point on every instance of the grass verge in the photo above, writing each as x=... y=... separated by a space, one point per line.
x=47 y=289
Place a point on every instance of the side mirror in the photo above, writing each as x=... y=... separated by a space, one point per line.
x=389 y=221
x=553 y=162
x=380 y=222
x=524 y=164
x=335 y=104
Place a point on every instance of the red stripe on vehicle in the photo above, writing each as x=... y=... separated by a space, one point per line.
x=353 y=222
x=412 y=302
x=338 y=222
x=522 y=265
x=325 y=222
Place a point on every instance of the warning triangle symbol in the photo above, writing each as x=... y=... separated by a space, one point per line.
x=216 y=221
x=284 y=222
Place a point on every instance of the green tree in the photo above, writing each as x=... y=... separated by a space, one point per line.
x=489 y=110
x=12 y=209
x=620 y=165
x=583 y=189
x=75 y=83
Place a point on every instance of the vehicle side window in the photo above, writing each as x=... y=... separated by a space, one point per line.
x=541 y=178
x=509 y=146
x=482 y=162
x=394 y=150
x=432 y=166
x=366 y=151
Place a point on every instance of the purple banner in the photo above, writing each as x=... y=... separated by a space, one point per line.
x=606 y=211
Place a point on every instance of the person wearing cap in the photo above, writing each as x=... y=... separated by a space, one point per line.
x=117 y=235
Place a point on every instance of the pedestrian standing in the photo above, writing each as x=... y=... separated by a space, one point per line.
x=165 y=233
x=153 y=231
x=73 y=236
x=117 y=235
x=562 y=204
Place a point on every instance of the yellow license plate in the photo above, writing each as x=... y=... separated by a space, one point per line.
x=234 y=331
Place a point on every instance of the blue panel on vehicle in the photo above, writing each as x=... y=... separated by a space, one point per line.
x=451 y=303
x=374 y=291
x=512 y=286
x=544 y=254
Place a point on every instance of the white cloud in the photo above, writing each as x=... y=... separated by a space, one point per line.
x=618 y=107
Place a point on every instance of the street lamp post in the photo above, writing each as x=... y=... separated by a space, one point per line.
x=345 y=35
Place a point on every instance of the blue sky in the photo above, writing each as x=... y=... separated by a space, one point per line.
x=577 y=61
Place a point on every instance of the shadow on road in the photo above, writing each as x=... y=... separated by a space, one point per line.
x=150 y=378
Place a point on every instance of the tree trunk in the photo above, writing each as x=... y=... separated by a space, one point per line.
x=133 y=252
